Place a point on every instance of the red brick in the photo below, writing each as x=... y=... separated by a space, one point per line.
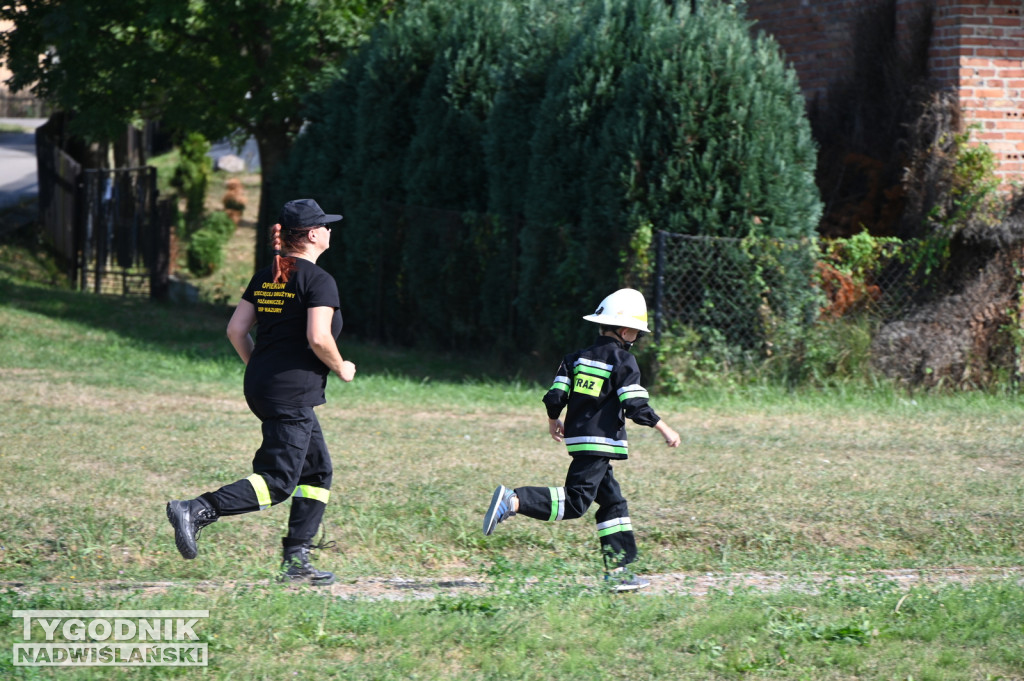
x=993 y=52
x=977 y=46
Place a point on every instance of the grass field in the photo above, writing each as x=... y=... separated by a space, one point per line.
x=111 y=407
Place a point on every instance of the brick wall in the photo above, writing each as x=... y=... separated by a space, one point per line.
x=815 y=36
x=977 y=47
x=988 y=39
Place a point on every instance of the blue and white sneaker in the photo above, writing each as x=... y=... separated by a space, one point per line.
x=620 y=580
x=500 y=508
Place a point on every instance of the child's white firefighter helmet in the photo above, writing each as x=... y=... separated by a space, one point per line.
x=626 y=307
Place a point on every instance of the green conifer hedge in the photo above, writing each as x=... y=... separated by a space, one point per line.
x=500 y=164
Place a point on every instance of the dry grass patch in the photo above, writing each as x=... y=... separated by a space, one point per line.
x=783 y=490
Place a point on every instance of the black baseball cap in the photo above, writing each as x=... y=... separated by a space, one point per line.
x=302 y=213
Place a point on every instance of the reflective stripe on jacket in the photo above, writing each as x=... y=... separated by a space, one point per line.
x=599 y=388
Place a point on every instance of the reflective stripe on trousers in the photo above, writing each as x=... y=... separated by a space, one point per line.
x=259 y=485
x=557 y=503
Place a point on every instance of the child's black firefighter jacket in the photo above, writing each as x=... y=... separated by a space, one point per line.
x=600 y=388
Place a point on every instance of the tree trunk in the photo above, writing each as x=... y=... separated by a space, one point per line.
x=273 y=147
x=88 y=155
x=129 y=150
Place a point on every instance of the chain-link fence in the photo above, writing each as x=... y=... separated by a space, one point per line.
x=740 y=301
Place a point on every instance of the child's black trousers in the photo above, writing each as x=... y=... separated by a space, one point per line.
x=588 y=480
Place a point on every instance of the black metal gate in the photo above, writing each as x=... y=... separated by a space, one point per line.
x=110 y=226
x=123 y=242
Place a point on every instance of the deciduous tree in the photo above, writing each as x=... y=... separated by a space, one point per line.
x=217 y=67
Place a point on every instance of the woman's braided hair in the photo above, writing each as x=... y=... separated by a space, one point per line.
x=281 y=266
x=290 y=240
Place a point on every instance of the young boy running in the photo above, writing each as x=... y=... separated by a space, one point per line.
x=599 y=387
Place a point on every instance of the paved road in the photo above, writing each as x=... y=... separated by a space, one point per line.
x=248 y=153
x=18 y=160
x=18 y=179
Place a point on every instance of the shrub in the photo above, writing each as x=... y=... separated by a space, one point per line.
x=191 y=178
x=205 y=252
x=206 y=247
x=974 y=185
x=221 y=224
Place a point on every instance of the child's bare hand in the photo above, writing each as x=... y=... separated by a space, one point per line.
x=672 y=438
x=556 y=430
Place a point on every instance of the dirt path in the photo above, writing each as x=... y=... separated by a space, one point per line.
x=398 y=589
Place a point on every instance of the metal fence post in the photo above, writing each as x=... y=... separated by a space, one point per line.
x=82 y=231
x=659 y=274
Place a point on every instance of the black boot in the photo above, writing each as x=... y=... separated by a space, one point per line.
x=187 y=518
x=296 y=566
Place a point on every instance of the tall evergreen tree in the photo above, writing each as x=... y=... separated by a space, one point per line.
x=445 y=171
x=557 y=270
x=707 y=137
x=531 y=50
x=528 y=148
x=385 y=81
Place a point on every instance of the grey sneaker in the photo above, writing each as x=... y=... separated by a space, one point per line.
x=500 y=508
x=619 y=580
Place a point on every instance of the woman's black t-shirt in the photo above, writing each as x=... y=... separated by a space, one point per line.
x=283 y=368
